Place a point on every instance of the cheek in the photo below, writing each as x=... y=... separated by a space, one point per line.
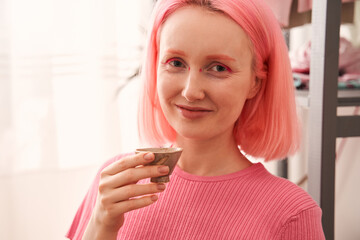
x=166 y=88
x=234 y=101
x=167 y=91
x=233 y=108
x=160 y=87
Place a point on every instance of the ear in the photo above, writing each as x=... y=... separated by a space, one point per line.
x=255 y=88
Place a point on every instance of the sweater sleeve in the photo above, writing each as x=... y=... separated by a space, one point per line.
x=304 y=226
x=83 y=214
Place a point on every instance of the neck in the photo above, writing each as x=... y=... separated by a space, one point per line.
x=211 y=157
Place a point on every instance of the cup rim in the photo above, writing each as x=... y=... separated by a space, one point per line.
x=160 y=150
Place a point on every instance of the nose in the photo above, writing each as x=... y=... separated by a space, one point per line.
x=193 y=89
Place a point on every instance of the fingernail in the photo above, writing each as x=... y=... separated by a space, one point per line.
x=161 y=186
x=154 y=198
x=149 y=156
x=163 y=169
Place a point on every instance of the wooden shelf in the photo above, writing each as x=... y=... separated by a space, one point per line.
x=349 y=97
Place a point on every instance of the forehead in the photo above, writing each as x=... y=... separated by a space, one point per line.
x=197 y=29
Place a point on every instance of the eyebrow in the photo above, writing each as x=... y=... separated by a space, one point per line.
x=220 y=57
x=176 y=52
x=210 y=57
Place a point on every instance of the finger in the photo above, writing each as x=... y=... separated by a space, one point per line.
x=129 y=191
x=128 y=162
x=133 y=204
x=132 y=175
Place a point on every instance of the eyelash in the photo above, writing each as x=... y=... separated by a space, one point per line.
x=221 y=65
x=172 y=60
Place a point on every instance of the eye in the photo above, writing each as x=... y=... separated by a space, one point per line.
x=175 y=63
x=220 y=68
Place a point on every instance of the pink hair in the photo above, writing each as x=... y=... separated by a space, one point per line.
x=267 y=127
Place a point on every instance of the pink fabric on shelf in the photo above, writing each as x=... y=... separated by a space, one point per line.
x=349 y=57
x=300 y=58
x=248 y=204
x=349 y=60
x=281 y=9
x=306 y=5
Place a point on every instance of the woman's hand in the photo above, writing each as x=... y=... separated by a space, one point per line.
x=117 y=189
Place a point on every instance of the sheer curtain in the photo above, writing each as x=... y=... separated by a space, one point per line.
x=62 y=63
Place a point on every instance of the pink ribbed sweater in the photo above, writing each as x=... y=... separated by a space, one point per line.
x=249 y=204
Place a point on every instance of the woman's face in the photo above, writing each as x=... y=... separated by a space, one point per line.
x=204 y=73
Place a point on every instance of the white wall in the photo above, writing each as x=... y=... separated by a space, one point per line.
x=5 y=207
x=61 y=63
x=347 y=190
x=40 y=205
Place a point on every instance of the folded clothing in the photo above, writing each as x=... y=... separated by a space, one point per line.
x=301 y=82
x=349 y=65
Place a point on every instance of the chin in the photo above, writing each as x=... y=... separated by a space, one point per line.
x=190 y=134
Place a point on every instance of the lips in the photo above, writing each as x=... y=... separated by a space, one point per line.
x=192 y=113
x=193 y=108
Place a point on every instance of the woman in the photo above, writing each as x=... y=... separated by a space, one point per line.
x=217 y=80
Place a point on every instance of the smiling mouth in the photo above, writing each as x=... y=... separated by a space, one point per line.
x=193 y=113
x=193 y=109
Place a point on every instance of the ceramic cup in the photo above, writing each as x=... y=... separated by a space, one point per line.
x=163 y=156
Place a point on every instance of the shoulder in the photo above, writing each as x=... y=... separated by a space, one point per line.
x=290 y=206
x=282 y=194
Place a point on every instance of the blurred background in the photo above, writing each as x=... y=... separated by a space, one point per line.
x=68 y=102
